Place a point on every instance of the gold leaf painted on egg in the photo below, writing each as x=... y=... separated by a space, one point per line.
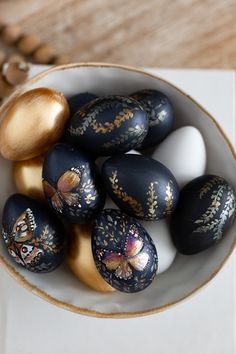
x=90 y=118
x=121 y=194
x=210 y=184
x=208 y=221
x=152 y=201
x=169 y=198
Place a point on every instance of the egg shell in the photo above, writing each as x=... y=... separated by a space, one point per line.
x=33 y=236
x=183 y=152
x=28 y=177
x=71 y=184
x=123 y=251
x=159 y=231
x=140 y=186
x=100 y=160
x=80 y=259
x=108 y=125
x=32 y=123
x=76 y=102
x=205 y=211
x=160 y=115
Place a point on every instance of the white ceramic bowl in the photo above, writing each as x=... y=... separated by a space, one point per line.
x=188 y=273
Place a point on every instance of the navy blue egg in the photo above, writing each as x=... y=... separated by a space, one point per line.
x=123 y=251
x=76 y=102
x=72 y=184
x=160 y=115
x=205 y=211
x=33 y=235
x=140 y=186
x=108 y=125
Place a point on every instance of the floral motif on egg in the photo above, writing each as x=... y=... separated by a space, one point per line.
x=207 y=220
x=27 y=249
x=151 y=195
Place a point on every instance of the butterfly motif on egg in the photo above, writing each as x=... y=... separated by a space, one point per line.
x=133 y=257
x=63 y=193
x=22 y=231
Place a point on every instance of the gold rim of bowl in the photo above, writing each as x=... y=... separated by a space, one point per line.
x=85 y=311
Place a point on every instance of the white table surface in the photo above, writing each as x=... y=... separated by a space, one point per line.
x=204 y=324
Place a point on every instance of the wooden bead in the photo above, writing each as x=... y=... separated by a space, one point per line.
x=28 y=44
x=62 y=59
x=5 y=88
x=10 y=34
x=15 y=58
x=2 y=57
x=44 y=54
x=15 y=73
x=2 y=24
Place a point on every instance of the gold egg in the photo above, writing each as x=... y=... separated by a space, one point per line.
x=28 y=177
x=32 y=123
x=80 y=259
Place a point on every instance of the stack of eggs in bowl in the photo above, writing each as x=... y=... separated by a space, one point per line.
x=109 y=184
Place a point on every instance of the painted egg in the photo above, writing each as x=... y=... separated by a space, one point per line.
x=205 y=211
x=123 y=251
x=71 y=184
x=108 y=125
x=176 y=153
x=140 y=186
x=32 y=123
x=159 y=231
x=101 y=159
x=80 y=259
x=34 y=237
x=28 y=177
x=160 y=115
x=77 y=101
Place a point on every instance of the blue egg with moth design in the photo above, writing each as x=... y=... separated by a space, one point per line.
x=140 y=186
x=160 y=115
x=35 y=238
x=205 y=211
x=77 y=101
x=72 y=184
x=108 y=125
x=123 y=251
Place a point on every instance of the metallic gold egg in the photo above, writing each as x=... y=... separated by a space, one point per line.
x=28 y=177
x=33 y=122
x=80 y=259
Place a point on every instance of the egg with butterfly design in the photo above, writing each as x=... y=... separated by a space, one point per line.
x=33 y=235
x=123 y=251
x=71 y=184
x=114 y=124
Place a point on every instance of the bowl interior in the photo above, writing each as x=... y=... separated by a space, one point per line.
x=187 y=273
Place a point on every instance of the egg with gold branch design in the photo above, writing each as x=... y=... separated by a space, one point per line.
x=205 y=212
x=140 y=186
x=108 y=125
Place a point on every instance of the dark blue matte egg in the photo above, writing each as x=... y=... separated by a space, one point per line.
x=33 y=235
x=205 y=211
x=140 y=186
x=108 y=125
x=160 y=115
x=71 y=184
x=123 y=251
x=76 y=102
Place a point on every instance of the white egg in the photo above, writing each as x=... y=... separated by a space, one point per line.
x=101 y=159
x=184 y=153
x=160 y=234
